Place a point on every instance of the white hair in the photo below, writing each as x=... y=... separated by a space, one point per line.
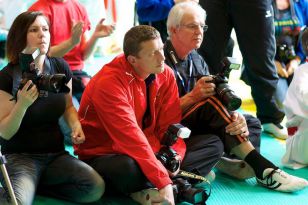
x=178 y=10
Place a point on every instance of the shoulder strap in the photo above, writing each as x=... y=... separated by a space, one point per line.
x=16 y=79
x=57 y=63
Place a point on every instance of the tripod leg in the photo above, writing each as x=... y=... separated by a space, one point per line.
x=8 y=184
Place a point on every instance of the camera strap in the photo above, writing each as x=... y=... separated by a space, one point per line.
x=197 y=177
x=187 y=84
x=16 y=80
x=193 y=176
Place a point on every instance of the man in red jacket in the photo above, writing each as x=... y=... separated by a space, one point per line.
x=125 y=111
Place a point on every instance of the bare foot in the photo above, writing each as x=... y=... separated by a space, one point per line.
x=236 y=168
x=145 y=196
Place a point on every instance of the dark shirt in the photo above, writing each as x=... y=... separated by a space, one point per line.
x=39 y=131
x=186 y=71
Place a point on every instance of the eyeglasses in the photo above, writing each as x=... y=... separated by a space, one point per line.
x=195 y=27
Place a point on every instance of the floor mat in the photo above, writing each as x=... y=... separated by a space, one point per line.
x=228 y=191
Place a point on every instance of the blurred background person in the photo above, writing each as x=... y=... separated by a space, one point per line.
x=70 y=39
x=253 y=24
x=289 y=17
x=296 y=108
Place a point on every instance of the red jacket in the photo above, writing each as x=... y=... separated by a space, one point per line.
x=111 y=113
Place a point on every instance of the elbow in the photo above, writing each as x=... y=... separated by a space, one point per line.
x=84 y=54
x=6 y=136
x=7 y=133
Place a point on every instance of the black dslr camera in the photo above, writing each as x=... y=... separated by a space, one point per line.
x=223 y=90
x=285 y=49
x=166 y=155
x=45 y=82
x=182 y=189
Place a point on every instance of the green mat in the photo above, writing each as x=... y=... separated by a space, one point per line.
x=229 y=191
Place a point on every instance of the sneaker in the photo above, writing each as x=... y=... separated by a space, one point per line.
x=281 y=181
x=144 y=196
x=277 y=130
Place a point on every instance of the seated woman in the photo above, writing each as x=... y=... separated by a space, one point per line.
x=296 y=107
x=30 y=135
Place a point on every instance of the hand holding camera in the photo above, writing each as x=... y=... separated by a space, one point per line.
x=44 y=82
x=203 y=89
x=281 y=70
x=222 y=89
x=28 y=94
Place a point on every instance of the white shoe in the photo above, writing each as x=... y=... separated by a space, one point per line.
x=276 y=130
x=281 y=181
x=144 y=196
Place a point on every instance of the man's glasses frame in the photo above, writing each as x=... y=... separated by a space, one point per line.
x=195 y=27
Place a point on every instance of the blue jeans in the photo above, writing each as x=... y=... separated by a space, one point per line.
x=58 y=175
x=281 y=91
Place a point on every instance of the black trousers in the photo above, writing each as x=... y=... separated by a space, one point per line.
x=253 y=24
x=211 y=117
x=122 y=173
x=161 y=26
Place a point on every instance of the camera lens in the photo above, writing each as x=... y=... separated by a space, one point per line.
x=52 y=83
x=227 y=97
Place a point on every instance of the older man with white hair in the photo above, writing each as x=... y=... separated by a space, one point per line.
x=202 y=111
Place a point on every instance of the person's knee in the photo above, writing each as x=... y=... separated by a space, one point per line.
x=220 y=148
x=88 y=184
x=203 y=152
x=253 y=124
x=25 y=193
x=216 y=144
x=137 y=179
x=96 y=190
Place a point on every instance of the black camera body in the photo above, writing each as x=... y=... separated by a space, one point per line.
x=223 y=90
x=182 y=189
x=285 y=53
x=45 y=82
x=285 y=50
x=167 y=155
